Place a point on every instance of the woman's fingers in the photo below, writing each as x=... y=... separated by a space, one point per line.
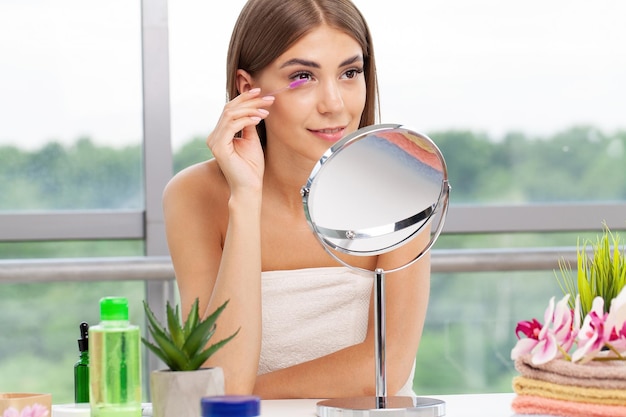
x=241 y=159
x=245 y=110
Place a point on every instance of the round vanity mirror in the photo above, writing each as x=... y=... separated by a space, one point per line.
x=370 y=193
x=375 y=189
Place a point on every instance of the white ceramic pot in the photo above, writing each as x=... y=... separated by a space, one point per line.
x=178 y=393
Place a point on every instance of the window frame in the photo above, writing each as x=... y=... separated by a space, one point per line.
x=148 y=224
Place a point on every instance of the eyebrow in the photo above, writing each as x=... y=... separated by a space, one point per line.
x=313 y=64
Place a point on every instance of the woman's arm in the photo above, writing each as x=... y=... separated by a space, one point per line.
x=351 y=371
x=213 y=225
x=215 y=263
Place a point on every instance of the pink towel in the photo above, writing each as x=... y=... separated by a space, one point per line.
x=531 y=404
x=595 y=374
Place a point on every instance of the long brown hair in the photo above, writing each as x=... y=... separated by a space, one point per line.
x=265 y=29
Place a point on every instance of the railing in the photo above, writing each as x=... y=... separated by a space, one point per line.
x=158 y=274
x=159 y=268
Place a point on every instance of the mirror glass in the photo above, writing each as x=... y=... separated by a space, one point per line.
x=375 y=189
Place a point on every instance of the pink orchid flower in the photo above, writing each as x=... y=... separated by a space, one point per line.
x=616 y=322
x=602 y=329
x=530 y=329
x=556 y=336
x=593 y=333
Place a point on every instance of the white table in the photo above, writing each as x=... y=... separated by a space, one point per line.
x=467 y=405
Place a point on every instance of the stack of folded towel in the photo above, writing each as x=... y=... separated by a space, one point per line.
x=563 y=388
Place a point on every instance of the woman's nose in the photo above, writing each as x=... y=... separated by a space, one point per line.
x=330 y=98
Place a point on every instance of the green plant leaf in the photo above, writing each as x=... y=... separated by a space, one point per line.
x=192 y=319
x=198 y=337
x=584 y=285
x=173 y=324
x=567 y=283
x=157 y=351
x=153 y=323
x=176 y=356
x=204 y=342
x=198 y=360
x=152 y=320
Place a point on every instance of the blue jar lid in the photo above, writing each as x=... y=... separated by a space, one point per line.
x=231 y=406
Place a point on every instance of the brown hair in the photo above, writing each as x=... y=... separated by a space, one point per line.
x=265 y=29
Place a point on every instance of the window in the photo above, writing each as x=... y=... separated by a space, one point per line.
x=71 y=103
x=70 y=154
x=524 y=100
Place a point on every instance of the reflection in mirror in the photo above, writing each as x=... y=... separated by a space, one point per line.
x=379 y=191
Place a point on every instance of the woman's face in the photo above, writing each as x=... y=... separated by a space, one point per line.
x=310 y=118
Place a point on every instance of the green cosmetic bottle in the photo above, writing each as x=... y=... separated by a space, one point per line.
x=81 y=368
x=115 y=362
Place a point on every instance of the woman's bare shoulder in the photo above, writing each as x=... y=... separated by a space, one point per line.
x=202 y=182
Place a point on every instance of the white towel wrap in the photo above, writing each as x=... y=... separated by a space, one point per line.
x=309 y=313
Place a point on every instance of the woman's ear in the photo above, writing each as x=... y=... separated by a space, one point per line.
x=244 y=81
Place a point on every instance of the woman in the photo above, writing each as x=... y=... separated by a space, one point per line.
x=236 y=226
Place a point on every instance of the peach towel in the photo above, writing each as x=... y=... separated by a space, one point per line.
x=527 y=386
x=605 y=375
x=533 y=404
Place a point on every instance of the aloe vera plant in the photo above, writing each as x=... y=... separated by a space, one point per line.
x=183 y=346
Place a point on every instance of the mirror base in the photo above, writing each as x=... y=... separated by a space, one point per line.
x=393 y=407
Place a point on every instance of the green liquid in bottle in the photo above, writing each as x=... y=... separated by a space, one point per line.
x=81 y=368
x=81 y=379
x=115 y=369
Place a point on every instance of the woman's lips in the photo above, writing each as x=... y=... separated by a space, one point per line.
x=330 y=134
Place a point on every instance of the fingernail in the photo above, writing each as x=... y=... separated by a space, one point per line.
x=269 y=98
x=263 y=111
x=254 y=90
x=255 y=119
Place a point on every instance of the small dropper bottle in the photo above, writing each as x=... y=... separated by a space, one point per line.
x=81 y=368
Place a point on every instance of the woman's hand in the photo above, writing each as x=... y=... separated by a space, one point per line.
x=241 y=159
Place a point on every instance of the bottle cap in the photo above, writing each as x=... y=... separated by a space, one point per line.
x=231 y=406
x=83 y=342
x=113 y=308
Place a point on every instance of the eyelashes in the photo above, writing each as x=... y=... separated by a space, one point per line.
x=307 y=75
x=301 y=75
x=354 y=71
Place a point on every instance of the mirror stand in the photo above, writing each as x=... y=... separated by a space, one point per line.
x=381 y=404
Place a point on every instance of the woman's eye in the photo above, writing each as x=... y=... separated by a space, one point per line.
x=302 y=76
x=353 y=73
